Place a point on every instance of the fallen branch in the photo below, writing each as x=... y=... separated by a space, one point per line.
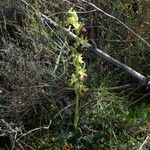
x=128 y=69
x=113 y=17
x=33 y=130
x=141 y=78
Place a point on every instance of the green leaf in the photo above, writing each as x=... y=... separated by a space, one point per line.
x=74 y=79
x=72 y=13
x=73 y=20
x=84 y=42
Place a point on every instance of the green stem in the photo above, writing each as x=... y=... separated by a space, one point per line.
x=76 y=116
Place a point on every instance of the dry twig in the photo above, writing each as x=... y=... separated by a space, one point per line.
x=108 y=15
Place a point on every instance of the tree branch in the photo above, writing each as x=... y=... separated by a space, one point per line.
x=141 y=78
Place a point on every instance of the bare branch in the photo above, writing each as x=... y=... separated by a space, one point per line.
x=36 y=129
x=145 y=141
x=110 y=16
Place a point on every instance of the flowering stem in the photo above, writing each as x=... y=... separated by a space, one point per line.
x=76 y=116
x=79 y=74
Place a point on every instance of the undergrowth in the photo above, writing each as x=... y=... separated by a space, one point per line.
x=36 y=68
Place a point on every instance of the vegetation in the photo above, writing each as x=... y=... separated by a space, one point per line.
x=57 y=94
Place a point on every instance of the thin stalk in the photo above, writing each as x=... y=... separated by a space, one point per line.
x=76 y=115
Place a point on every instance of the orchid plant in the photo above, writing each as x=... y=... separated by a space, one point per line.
x=79 y=75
